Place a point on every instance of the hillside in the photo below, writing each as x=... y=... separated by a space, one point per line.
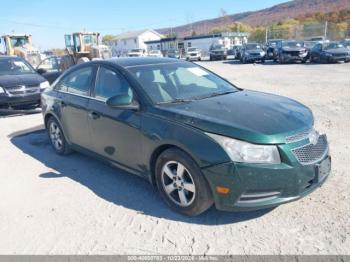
x=291 y=9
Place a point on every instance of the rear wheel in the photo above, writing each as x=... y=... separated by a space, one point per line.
x=57 y=138
x=181 y=183
x=83 y=60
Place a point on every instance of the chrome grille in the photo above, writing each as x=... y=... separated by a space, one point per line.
x=311 y=154
x=298 y=137
x=23 y=90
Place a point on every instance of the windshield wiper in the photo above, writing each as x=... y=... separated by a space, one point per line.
x=215 y=94
x=176 y=101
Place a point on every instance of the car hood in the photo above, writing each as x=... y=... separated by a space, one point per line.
x=338 y=51
x=251 y=51
x=293 y=49
x=16 y=80
x=246 y=115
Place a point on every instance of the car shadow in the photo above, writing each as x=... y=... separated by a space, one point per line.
x=112 y=184
x=18 y=112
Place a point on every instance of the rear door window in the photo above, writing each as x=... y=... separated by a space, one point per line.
x=78 y=82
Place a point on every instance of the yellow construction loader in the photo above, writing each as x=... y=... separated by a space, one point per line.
x=82 y=47
x=21 y=45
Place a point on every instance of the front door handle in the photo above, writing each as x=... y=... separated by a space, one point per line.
x=94 y=115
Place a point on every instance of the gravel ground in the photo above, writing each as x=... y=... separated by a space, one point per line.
x=77 y=205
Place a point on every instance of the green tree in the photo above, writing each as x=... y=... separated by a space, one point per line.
x=107 y=39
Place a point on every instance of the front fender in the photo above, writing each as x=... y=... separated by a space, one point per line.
x=158 y=132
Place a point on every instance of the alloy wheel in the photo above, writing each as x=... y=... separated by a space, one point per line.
x=56 y=136
x=178 y=183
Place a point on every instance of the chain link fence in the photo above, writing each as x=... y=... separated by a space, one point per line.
x=331 y=31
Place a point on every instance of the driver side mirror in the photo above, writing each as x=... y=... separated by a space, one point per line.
x=123 y=101
x=41 y=71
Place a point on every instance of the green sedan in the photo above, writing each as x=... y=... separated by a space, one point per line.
x=196 y=137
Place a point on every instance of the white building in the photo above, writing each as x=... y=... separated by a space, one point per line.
x=165 y=44
x=124 y=42
x=204 y=42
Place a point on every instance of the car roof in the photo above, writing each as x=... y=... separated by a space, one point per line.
x=7 y=57
x=137 y=61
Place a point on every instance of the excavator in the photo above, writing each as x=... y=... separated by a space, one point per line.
x=21 y=45
x=82 y=47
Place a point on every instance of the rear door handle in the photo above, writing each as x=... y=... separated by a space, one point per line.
x=94 y=115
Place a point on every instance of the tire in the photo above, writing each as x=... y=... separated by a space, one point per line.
x=347 y=61
x=199 y=59
x=312 y=60
x=188 y=193
x=57 y=138
x=83 y=60
x=281 y=59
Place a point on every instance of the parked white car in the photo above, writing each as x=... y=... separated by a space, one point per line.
x=137 y=52
x=193 y=53
x=155 y=53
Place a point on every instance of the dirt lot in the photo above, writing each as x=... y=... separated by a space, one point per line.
x=77 y=205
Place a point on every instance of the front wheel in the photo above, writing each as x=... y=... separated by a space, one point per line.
x=281 y=59
x=181 y=183
x=57 y=137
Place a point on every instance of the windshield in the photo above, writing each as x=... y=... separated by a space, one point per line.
x=179 y=82
x=333 y=46
x=310 y=44
x=18 y=41
x=253 y=46
x=292 y=44
x=217 y=47
x=90 y=39
x=15 y=67
x=192 y=50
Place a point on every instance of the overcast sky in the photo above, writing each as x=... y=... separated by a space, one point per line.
x=49 y=20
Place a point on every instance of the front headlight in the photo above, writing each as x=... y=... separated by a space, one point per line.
x=2 y=90
x=244 y=152
x=262 y=53
x=44 y=85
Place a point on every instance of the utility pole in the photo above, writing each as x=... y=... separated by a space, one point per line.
x=326 y=30
x=266 y=35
